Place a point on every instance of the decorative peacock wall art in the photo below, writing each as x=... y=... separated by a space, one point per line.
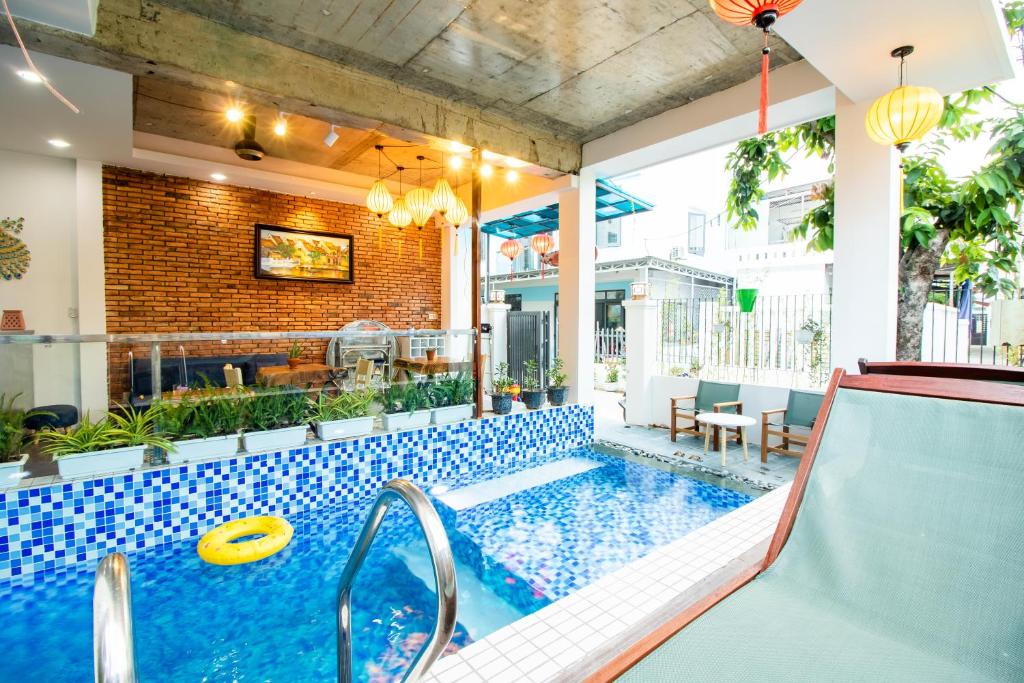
x=14 y=255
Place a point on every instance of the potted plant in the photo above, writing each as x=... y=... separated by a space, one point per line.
x=13 y=438
x=201 y=426
x=294 y=355
x=452 y=398
x=116 y=443
x=502 y=390
x=347 y=414
x=533 y=395
x=405 y=406
x=274 y=419
x=557 y=390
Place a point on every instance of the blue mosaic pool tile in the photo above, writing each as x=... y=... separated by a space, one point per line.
x=52 y=527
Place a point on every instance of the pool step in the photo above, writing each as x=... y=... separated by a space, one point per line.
x=486 y=491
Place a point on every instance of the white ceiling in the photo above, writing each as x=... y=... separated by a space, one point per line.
x=959 y=44
x=31 y=115
x=72 y=15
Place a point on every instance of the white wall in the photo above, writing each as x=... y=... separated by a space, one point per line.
x=61 y=201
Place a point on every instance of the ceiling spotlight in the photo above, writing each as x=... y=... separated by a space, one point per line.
x=218 y=176
x=458 y=147
x=486 y=171
x=281 y=125
x=29 y=76
x=491 y=156
x=456 y=163
x=234 y=114
x=58 y=143
x=511 y=175
x=515 y=163
x=332 y=137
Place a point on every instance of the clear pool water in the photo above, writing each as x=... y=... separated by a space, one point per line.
x=522 y=540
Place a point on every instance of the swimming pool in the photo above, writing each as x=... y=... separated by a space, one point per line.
x=522 y=540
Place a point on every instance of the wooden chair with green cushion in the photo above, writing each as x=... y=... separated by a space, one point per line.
x=800 y=411
x=711 y=397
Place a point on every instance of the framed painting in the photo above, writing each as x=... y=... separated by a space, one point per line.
x=293 y=254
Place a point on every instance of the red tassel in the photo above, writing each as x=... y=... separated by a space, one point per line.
x=762 y=115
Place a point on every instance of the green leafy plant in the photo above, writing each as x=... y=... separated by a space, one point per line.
x=454 y=390
x=557 y=376
x=531 y=376
x=274 y=409
x=345 y=406
x=502 y=383
x=285 y=250
x=408 y=397
x=121 y=428
x=295 y=351
x=612 y=367
x=13 y=435
x=201 y=414
x=695 y=367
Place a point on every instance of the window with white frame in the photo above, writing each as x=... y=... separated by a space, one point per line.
x=609 y=233
x=697 y=228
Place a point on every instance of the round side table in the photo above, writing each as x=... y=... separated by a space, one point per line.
x=724 y=421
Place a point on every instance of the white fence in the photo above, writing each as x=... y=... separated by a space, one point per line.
x=609 y=343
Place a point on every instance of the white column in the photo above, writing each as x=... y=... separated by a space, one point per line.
x=456 y=295
x=865 y=274
x=89 y=281
x=497 y=352
x=576 y=228
x=641 y=350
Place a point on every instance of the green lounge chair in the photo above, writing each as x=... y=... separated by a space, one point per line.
x=711 y=397
x=904 y=561
x=801 y=409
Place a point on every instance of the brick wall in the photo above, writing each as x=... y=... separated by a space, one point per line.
x=179 y=258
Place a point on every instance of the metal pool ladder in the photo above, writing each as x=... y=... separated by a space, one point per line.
x=112 y=641
x=444 y=577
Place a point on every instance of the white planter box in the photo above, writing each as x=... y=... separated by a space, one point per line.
x=395 y=421
x=11 y=472
x=202 y=449
x=451 y=414
x=101 y=462
x=341 y=429
x=274 y=439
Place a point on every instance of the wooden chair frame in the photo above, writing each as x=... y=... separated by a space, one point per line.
x=784 y=433
x=988 y=373
x=906 y=383
x=674 y=429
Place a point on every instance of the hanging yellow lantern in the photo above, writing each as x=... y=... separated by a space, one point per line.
x=420 y=207
x=905 y=114
x=458 y=214
x=399 y=216
x=443 y=199
x=379 y=200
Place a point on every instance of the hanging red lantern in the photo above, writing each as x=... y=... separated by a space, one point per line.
x=763 y=14
x=511 y=249
x=542 y=244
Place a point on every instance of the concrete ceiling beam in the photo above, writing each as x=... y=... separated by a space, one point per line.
x=142 y=37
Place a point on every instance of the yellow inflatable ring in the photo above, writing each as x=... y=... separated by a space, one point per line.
x=216 y=546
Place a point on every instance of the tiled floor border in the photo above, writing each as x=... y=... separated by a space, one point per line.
x=573 y=637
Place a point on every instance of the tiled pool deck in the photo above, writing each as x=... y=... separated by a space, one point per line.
x=573 y=637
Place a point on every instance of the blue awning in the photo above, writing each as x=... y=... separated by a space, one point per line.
x=612 y=202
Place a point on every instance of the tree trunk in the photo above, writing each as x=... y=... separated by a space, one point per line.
x=917 y=270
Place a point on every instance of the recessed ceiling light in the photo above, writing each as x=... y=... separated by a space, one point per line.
x=280 y=127
x=218 y=176
x=29 y=76
x=515 y=163
x=58 y=143
x=490 y=156
x=234 y=114
x=486 y=170
x=458 y=147
x=511 y=175
x=456 y=163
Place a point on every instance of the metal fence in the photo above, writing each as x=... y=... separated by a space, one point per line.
x=609 y=343
x=949 y=338
x=783 y=341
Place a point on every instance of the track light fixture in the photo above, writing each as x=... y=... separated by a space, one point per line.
x=332 y=137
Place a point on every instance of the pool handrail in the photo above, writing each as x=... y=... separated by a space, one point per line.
x=112 y=633
x=444 y=576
